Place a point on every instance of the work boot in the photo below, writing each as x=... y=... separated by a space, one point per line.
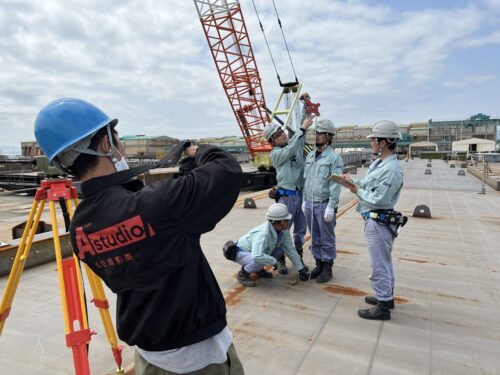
x=244 y=278
x=326 y=272
x=372 y=300
x=281 y=265
x=379 y=312
x=264 y=274
x=317 y=270
x=300 y=251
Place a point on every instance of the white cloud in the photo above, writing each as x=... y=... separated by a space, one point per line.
x=148 y=62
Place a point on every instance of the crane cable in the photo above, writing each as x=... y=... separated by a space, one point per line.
x=269 y=48
x=284 y=39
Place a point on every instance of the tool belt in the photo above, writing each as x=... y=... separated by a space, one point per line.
x=276 y=193
x=389 y=218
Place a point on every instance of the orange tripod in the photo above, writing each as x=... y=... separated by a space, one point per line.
x=78 y=334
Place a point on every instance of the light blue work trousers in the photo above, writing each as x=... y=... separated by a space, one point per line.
x=324 y=245
x=380 y=241
x=293 y=204
x=245 y=259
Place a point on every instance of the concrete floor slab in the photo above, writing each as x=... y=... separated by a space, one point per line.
x=447 y=297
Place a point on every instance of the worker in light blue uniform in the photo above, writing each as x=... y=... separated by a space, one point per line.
x=287 y=158
x=321 y=199
x=378 y=192
x=264 y=244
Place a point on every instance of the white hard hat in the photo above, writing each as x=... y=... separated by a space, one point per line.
x=278 y=211
x=270 y=130
x=385 y=129
x=325 y=126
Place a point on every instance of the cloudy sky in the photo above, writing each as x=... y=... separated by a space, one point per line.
x=148 y=64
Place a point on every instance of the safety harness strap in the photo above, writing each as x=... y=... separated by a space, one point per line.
x=172 y=158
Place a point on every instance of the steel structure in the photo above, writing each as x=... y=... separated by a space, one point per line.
x=227 y=37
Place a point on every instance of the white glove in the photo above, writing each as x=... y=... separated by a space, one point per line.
x=303 y=207
x=329 y=214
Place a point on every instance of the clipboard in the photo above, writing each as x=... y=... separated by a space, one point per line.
x=341 y=181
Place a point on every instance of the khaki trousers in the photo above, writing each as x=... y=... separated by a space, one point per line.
x=232 y=366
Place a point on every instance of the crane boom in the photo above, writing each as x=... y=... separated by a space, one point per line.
x=227 y=37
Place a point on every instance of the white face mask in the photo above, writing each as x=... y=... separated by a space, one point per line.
x=121 y=165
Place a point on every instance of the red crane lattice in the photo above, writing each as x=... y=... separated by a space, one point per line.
x=231 y=50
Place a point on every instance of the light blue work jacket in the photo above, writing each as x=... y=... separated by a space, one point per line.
x=381 y=186
x=263 y=239
x=317 y=187
x=289 y=162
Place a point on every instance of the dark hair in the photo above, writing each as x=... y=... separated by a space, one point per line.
x=391 y=143
x=84 y=162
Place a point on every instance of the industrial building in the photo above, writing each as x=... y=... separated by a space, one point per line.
x=147 y=147
x=441 y=133
x=349 y=137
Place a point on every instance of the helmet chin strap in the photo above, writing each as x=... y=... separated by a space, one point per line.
x=321 y=147
x=111 y=153
x=379 y=149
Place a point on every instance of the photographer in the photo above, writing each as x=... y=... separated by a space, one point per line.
x=144 y=241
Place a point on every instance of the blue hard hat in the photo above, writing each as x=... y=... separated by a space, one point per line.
x=64 y=122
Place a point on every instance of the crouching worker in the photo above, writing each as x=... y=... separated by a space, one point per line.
x=264 y=245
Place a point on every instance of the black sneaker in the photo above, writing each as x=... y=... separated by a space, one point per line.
x=375 y=313
x=264 y=274
x=372 y=300
x=244 y=278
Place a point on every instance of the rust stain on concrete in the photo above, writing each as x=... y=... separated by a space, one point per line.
x=400 y=300
x=297 y=306
x=344 y=290
x=422 y=261
x=456 y=297
x=233 y=297
x=238 y=331
x=414 y=260
x=347 y=252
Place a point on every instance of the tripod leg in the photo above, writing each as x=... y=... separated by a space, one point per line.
x=101 y=302
x=79 y=335
x=20 y=260
x=57 y=248
x=73 y=304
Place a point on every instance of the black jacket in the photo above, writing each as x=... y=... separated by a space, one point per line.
x=144 y=242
